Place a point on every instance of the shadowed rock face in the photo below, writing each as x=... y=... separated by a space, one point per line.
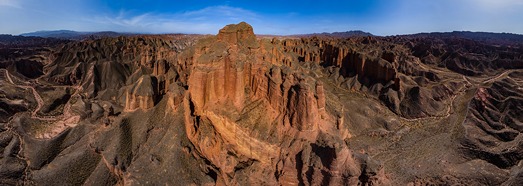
x=234 y=109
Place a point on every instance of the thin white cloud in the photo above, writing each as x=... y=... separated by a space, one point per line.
x=206 y=20
x=499 y=3
x=226 y=11
x=10 y=3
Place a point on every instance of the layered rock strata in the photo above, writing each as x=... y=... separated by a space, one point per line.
x=231 y=85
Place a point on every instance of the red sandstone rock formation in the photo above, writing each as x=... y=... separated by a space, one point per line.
x=235 y=79
x=142 y=94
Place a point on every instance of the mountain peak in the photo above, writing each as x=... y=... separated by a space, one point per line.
x=241 y=33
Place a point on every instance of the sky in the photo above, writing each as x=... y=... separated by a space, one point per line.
x=276 y=17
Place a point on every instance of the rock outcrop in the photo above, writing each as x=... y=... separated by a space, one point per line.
x=175 y=95
x=303 y=108
x=142 y=94
x=232 y=82
x=239 y=34
x=104 y=66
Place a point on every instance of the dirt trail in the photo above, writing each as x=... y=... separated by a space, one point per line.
x=60 y=123
x=8 y=77
x=38 y=98
x=500 y=76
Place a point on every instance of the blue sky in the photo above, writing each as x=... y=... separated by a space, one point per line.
x=381 y=17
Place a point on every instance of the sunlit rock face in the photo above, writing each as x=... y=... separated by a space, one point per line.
x=142 y=94
x=261 y=116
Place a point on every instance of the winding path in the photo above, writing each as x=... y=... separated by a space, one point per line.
x=500 y=76
x=38 y=98
x=67 y=119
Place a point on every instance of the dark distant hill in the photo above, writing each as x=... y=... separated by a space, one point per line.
x=29 y=41
x=74 y=35
x=486 y=37
x=56 y=34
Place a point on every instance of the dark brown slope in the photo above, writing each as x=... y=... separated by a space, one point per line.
x=465 y=56
x=234 y=109
x=494 y=123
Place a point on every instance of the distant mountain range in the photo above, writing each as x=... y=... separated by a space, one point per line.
x=352 y=33
x=487 y=37
x=74 y=35
x=56 y=33
x=27 y=41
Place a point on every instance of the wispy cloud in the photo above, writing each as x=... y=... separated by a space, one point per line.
x=223 y=11
x=10 y=3
x=124 y=19
x=499 y=3
x=206 y=20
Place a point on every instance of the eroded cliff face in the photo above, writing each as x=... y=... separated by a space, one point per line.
x=378 y=68
x=249 y=114
x=103 y=67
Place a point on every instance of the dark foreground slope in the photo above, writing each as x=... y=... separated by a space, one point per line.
x=233 y=109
